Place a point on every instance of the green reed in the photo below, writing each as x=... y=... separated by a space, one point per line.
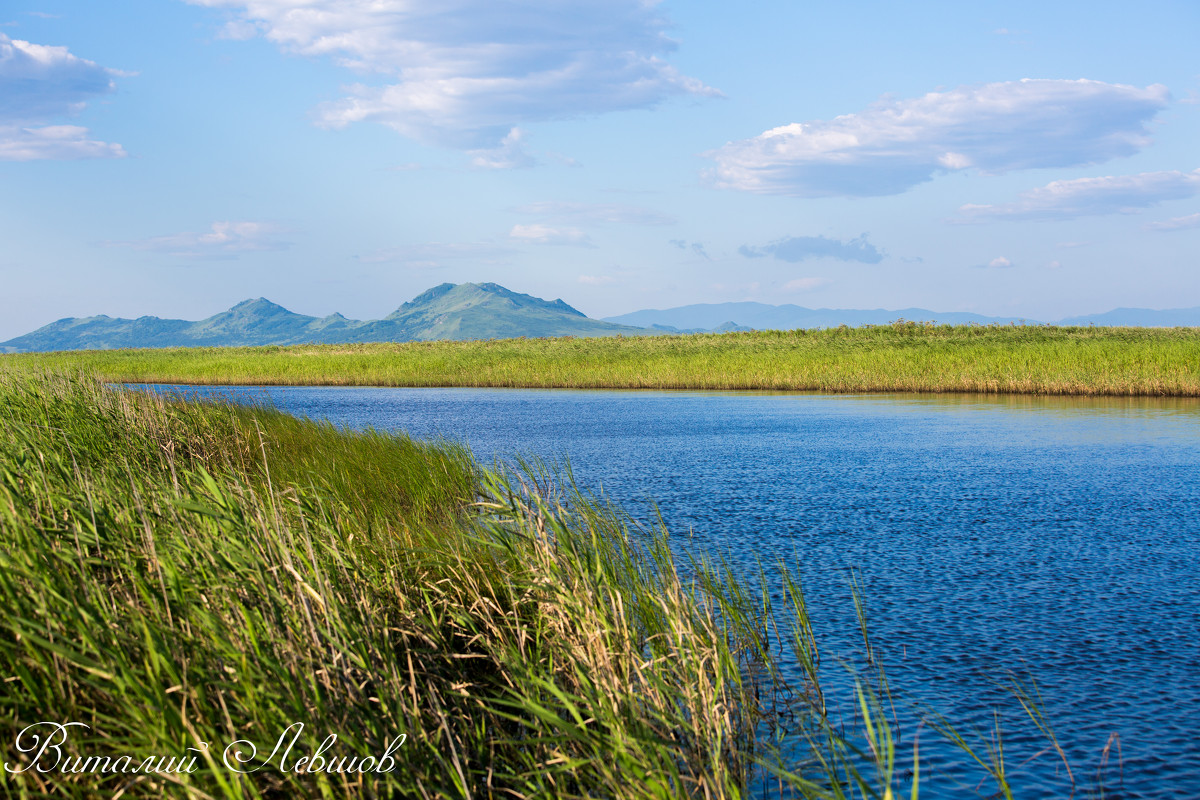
x=903 y=356
x=181 y=576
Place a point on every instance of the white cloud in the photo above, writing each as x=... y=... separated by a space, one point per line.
x=897 y=144
x=806 y=284
x=224 y=240
x=1111 y=194
x=39 y=84
x=597 y=212
x=464 y=73
x=433 y=255
x=508 y=155
x=57 y=142
x=999 y=263
x=1175 y=224
x=543 y=234
x=801 y=248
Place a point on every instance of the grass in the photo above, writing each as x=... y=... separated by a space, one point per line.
x=904 y=356
x=181 y=577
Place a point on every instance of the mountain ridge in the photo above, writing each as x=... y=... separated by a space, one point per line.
x=490 y=311
x=446 y=311
x=699 y=317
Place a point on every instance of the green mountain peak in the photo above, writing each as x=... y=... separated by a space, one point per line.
x=448 y=311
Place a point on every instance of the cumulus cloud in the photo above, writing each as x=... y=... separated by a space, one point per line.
x=801 y=248
x=543 y=234
x=597 y=212
x=1175 y=224
x=434 y=255
x=1111 y=194
x=39 y=84
x=999 y=263
x=466 y=72
x=897 y=144
x=224 y=240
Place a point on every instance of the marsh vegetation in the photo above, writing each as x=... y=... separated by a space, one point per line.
x=180 y=576
x=904 y=356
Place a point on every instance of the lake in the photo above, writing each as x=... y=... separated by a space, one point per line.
x=1053 y=537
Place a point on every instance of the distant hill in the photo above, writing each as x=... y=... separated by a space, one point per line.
x=449 y=311
x=1140 y=317
x=760 y=316
x=703 y=317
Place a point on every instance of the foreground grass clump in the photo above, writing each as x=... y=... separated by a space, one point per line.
x=196 y=588
x=897 y=357
x=177 y=574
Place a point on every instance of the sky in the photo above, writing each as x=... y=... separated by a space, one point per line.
x=174 y=157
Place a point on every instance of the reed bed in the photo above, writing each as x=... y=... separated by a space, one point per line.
x=903 y=356
x=191 y=581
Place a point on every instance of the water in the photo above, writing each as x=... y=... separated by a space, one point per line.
x=1057 y=538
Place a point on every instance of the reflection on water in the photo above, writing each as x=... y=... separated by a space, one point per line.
x=1056 y=537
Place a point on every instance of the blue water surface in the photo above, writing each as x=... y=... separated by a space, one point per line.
x=1056 y=538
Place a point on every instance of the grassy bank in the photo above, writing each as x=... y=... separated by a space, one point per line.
x=898 y=357
x=191 y=581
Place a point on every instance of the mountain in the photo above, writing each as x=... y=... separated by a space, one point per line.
x=449 y=311
x=489 y=311
x=483 y=311
x=1140 y=317
x=705 y=317
x=760 y=316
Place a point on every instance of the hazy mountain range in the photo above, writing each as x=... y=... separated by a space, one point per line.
x=489 y=311
x=760 y=316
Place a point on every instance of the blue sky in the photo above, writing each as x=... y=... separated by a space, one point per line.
x=173 y=157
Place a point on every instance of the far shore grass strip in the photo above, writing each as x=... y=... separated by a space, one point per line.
x=900 y=357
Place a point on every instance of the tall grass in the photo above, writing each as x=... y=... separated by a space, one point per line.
x=903 y=356
x=181 y=577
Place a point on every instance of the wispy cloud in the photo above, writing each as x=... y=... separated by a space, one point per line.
x=543 y=234
x=1112 y=194
x=695 y=248
x=801 y=248
x=434 y=255
x=224 y=240
x=897 y=144
x=596 y=212
x=40 y=84
x=806 y=284
x=464 y=73
x=1175 y=224
x=509 y=154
